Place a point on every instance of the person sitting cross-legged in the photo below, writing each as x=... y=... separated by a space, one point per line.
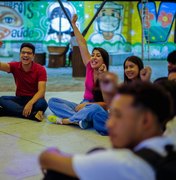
x=67 y=112
x=30 y=79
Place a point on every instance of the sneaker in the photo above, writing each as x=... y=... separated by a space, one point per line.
x=54 y=119
x=84 y=124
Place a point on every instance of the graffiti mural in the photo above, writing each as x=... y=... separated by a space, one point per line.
x=117 y=28
x=108 y=25
x=9 y=19
x=23 y=21
x=60 y=28
x=159 y=23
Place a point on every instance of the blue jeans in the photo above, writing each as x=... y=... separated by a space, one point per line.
x=92 y=113
x=14 y=105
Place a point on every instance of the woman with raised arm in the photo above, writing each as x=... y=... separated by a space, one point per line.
x=66 y=112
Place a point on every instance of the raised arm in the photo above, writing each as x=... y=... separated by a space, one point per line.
x=4 y=67
x=81 y=42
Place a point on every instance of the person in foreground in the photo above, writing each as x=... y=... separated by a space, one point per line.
x=170 y=87
x=136 y=116
x=30 y=79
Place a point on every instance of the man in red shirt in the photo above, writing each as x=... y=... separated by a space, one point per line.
x=30 y=79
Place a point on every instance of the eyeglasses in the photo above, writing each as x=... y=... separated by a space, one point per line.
x=26 y=52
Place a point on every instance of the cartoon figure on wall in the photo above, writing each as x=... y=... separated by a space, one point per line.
x=108 y=25
x=9 y=18
x=60 y=28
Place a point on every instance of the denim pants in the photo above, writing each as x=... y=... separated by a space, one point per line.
x=14 y=105
x=92 y=113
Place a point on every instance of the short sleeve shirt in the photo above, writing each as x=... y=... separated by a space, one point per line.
x=121 y=164
x=89 y=83
x=27 y=82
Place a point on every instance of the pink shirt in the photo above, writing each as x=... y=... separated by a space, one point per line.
x=89 y=83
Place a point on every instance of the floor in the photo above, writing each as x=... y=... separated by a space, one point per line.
x=21 y=141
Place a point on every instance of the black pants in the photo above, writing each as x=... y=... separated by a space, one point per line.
x=52 y=175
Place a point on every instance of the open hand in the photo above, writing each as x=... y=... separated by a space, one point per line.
x=27 y=109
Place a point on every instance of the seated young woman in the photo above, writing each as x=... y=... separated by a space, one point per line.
x=134 y=70
x=66 y=112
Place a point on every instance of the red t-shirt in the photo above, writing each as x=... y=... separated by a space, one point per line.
x=27 y=82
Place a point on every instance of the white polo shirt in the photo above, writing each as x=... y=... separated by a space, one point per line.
x=119 y=164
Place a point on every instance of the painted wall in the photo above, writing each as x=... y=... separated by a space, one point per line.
x=117 y=28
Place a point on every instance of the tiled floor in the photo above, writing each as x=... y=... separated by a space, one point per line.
x=21 y=141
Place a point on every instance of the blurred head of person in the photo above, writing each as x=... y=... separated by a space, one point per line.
x=170 y=87
x=171 y=59
x=132 y=67
x=137 y=113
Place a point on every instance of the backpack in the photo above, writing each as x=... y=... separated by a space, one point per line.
x=164 y=166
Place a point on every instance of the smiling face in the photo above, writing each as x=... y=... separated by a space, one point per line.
x=131 y=70
x=125 y=123
x=26 y=55
x=96 y=59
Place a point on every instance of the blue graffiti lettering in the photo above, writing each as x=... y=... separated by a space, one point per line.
x=22 y=33
x=158 y=24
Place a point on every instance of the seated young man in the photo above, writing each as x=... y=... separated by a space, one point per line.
x=136 y=116
x=30 y=79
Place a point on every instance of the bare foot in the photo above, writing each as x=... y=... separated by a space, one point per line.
x=39 y=116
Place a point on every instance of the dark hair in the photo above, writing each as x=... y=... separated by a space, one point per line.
x=160 y=79
x=29 y=45
x=97 y=94
x=98 y=97
x=136 y=60
x=171 y=58
x=150 y=96
x=104 y=55
x=170 y=87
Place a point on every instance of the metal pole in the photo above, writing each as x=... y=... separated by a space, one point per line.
x=88 y=26
x=143 y=16
x=65 y=12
